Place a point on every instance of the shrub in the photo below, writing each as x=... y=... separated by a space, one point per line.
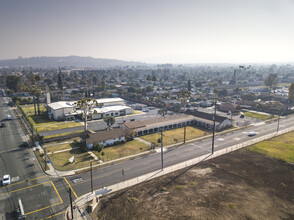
x=159 y=140
x=83 y=147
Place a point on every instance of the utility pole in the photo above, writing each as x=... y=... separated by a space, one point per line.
x=185 y=133
x=213 y=131
x=161 y=149
x=278 y=121
x=91 y=176
x=70 y=200
x=45 y=155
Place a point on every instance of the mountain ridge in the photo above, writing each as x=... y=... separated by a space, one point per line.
x=68 y=61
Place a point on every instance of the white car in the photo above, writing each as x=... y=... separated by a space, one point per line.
x=252 y=133
x=9 y=117
x=6 y=180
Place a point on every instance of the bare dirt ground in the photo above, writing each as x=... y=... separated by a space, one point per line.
x=239 y=185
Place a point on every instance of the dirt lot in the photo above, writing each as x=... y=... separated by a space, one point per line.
x=239 y=185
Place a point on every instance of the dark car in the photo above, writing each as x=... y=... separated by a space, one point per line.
x=24 y=144
x=3 y=125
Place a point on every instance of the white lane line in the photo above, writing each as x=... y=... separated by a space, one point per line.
x=220 y=139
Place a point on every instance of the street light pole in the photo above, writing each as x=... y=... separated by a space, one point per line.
x=185 y=133
x=161 y=149
x=213 y=131
x=278 y=126
x=91 y=176
x=70 y=200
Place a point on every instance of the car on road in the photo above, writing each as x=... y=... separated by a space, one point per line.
x=9 y=117
x=3 y=125
x=24 y=144
x=146 y=110
x=6 y=180
x=252 y=133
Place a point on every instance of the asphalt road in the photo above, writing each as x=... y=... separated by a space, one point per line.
x=41 y=195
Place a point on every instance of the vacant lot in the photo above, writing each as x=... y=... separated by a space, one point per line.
x=30 y=110
x=257 y=115
x=280 y=147
x=43 y=123
x=122 y=150
x=239 y=185
x=176 y=135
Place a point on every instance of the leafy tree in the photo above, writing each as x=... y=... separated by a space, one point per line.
x=154 y=78
x=291 y=92
x=162 y=112
x=86 y=105
x=60 y=82
x=148 y=77
x=183 y=96
x=109 y=120
x=95 y=80
x=14 y=83
x=189 y=85
x=98 y=147
x=271 y=81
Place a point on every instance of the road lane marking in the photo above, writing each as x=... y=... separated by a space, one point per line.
x=61 y=201
x=24 y=181
x=237 y=139
x=51 y=216
x=220 y=139
x=70 y=187
x=23 y=188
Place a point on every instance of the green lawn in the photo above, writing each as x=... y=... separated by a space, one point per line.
x=257 y=115
x=136 y=112
x=55 y=146
x=280 y=147
x=176 y=135
x=42 y=123
x=122 y=150
x=60 y=160
x=63 y=134
x=30 y=110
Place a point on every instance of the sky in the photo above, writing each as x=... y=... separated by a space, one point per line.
x=156 y=31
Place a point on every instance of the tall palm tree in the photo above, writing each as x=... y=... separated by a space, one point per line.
x=32 y=92
x=38 y=93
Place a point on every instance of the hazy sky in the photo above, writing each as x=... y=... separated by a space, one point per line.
x=150 y=30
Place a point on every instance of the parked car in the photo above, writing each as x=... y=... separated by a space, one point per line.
x=252 y=133
x=145 y=110
x=9 y=117
x=6 y=180
x=3 y=125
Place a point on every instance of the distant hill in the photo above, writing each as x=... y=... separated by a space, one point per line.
x=69 y=61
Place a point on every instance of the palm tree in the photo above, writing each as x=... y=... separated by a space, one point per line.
x=86 y=105
x=32 y=92
x=183 y=96
x=109 y=120
x=38 y=93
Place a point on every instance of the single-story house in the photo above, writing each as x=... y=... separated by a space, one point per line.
x=229 y=107
x=205 y=120
x=119 y=110
x=154 y=125
x=106 y=137
x=63 y=110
